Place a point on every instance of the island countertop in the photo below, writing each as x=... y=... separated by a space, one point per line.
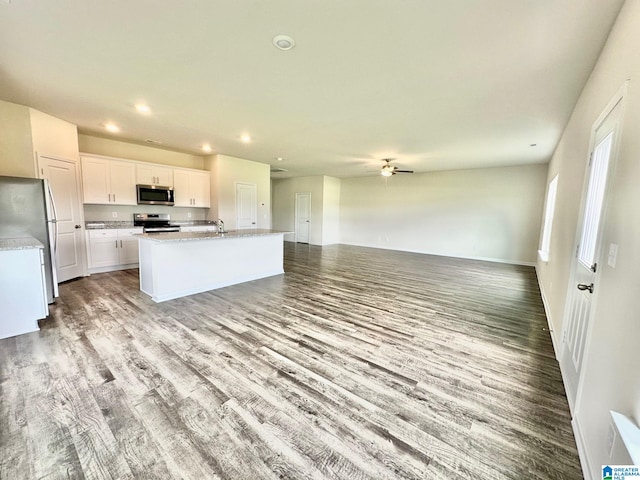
x=193 y=236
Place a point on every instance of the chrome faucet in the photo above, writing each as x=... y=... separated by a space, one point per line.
x=220 y=226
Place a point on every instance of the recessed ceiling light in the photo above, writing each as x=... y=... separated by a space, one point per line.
x=112 y=127
x=143 y=108
x=284 y=42
x=245 y=138
x=206 y=148
x=279 y=159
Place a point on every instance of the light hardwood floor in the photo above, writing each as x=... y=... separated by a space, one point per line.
x=356 y=364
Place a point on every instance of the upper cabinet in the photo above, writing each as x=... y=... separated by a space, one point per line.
x=150 y=174
x=191 y=188
x=112 y=181
x=106 y=181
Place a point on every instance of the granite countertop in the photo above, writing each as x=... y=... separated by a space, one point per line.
x=191 y=236
x=193 y=223
x=22 y=243
x=102 y=224
x=98 y=225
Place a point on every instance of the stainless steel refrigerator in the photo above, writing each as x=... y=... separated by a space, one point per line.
x=27 y=209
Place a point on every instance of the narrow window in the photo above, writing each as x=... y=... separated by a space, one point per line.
x=548 y=220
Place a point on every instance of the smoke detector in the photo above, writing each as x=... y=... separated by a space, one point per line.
x=284 y=42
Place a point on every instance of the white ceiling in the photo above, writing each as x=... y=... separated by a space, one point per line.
x=436 y=84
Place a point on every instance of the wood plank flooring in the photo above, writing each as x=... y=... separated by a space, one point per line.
x=356 y=364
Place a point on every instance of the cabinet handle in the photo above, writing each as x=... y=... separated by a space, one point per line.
x=114 y=197
x=116 y=243
x=120 y=243
x=109 y=197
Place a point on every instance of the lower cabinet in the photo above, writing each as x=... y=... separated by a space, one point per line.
x=112 y=249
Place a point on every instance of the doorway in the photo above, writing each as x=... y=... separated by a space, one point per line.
x=246 y=206
x=303 y=217
x=63 y=178
x=583 y=286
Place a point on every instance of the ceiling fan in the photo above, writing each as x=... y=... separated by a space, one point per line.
x=388 y=169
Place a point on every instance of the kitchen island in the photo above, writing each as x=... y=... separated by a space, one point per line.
x=178 y=264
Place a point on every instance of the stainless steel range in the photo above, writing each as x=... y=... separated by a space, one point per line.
x=155 y=222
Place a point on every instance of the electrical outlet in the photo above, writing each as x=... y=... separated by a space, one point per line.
x=114 y=214
x=188 y=214
x=611 y=438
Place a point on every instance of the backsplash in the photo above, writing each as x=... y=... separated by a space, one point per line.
x=93 y=213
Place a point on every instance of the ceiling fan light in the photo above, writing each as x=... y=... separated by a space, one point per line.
x=386 y=172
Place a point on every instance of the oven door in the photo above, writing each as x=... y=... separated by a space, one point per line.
x=154 y=195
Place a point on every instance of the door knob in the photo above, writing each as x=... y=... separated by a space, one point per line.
x=584 y=286
x=78 y=226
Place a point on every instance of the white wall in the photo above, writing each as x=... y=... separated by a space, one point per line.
x=284 y=205
x=227 y=171
x=142 y=153
x=16 y=148
x=331 y=211
x=491 y=213
x=27 y=132
x=610 y=379
x=52 y=136
x=325 y=207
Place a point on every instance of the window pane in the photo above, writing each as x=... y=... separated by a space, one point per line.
x=595 y=197
x=548 y=219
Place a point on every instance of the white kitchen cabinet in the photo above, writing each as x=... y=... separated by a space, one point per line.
x=191 y=188
x=106 y=181
x=128 y=245
x=23 y=293
x=112 y=249
x=152 y=174
x=199 y=228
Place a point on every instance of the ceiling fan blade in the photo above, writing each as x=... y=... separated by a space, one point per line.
x=402 y=171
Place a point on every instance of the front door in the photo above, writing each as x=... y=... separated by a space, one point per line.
x=583 y=287
x=69 y=246
x=303 y=217
x=246 y=206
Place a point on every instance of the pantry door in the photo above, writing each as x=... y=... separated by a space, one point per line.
x=63 y=178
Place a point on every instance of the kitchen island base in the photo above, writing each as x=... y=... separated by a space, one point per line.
x=177 y=265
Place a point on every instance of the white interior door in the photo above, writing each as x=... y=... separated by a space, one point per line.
x=63 y=179
x=303 y=217
x=246 y=206
x=583 y=287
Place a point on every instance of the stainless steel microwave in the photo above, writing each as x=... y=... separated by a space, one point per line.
x=155 y=195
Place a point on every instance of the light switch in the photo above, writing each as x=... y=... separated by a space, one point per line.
x=613 y=255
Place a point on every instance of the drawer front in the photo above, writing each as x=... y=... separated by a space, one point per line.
x=103 y=233
x=128 y=232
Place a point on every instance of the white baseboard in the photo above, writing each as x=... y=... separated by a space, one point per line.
x=585 y=460
x=483 y=259
x=547 y=311
x=113 y=268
